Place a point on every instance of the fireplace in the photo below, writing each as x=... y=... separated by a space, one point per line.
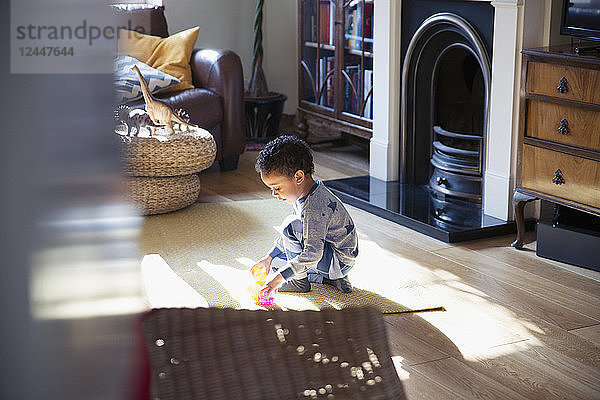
x=444 y=116
x=445 y=92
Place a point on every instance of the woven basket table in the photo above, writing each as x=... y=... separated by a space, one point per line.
x=223 y=354
x=161 y=175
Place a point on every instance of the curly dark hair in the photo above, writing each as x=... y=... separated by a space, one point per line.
x=285 y=155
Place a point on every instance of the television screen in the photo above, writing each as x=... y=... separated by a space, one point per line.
x=581 y=18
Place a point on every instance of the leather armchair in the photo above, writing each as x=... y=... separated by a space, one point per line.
x=216 y=102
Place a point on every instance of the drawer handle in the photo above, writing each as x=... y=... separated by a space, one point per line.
x=564 y=127
x=562 y=85
x=558 y=177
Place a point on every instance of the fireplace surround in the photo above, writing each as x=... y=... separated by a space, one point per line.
x=509 y=26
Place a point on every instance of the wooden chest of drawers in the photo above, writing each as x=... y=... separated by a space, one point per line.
x=559 y=132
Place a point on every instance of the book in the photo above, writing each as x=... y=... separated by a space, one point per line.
x=326 y=85
x=309 y=12
x=357 y=28
x=357 y=40
x=329 y=85
x=368 y=27
x=325 y=25
x=356 y=95
x=321 y=100
x=348 y=25
x=351 y=96
x=368 y=20
x=332 y=24
x=358 y=32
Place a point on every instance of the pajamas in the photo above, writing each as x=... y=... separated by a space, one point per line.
x=319 y=240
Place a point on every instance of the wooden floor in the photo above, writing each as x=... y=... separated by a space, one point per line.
x=516 y=326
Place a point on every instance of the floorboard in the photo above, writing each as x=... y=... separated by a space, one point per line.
x=550 y=289
x=500 y=250
x=459 y=378
x=420 y=387
x=519 y=366
x=591 y=333
x=411 y=349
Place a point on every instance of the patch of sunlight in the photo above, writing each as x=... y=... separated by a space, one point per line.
x=474 y=322
x=533 y=327
x=372 y=259
x=245 y=261
x=509 y=348
x=164 y=288
x=466 y=288
x=338 y=305
x=396 y=278
x=291 y=302
x=476 y=325
x=452 y=280
x=402 y=373
x=236 y=283
x=497 y=352
x=446 y=275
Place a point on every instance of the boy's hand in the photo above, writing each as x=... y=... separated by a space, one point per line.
x=265 y=263
x=271 y=287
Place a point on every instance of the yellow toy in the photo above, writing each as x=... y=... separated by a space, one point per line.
x=260 y=275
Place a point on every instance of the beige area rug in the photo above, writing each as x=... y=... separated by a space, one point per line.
x=200 y=256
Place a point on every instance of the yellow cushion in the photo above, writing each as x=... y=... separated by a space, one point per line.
x=170 y=55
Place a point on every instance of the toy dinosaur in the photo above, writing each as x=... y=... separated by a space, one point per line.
x=122 y=117
x=159 y=112
x=134 y=119
x=140 y=119
x=183 y=115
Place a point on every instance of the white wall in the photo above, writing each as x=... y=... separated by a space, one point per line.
x=229 y=24
x=280 y=43
x=555 y=12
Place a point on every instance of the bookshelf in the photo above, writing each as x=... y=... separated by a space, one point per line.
x=335 y=68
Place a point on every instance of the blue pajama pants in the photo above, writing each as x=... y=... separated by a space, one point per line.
x=292 y=244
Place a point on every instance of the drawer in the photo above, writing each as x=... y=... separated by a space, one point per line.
x=581 y=176
x=582 y=126
x=581 y=84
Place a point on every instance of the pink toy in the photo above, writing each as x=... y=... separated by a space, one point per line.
x=266 y=301
x=260 y=275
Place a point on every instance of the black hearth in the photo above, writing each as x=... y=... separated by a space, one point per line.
x=446 y=79
x=414 y=206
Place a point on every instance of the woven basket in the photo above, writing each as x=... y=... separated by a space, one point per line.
x=181 y=154
x=157 y=195
x=223 y=354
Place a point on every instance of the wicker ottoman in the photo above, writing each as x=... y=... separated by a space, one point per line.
x=161 y=175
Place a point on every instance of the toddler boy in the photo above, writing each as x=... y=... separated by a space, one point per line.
x=318 y=242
